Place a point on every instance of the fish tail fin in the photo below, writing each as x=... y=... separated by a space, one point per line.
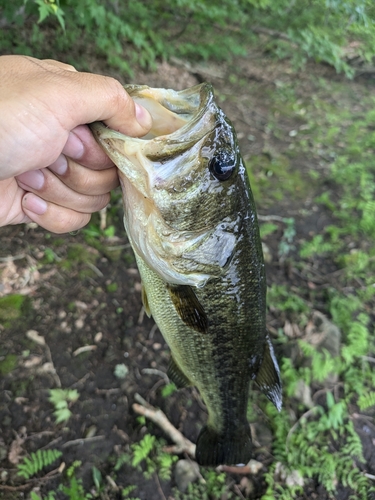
x=214 y=448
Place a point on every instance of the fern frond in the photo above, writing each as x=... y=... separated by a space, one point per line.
x=37 y=461
x=367 y=400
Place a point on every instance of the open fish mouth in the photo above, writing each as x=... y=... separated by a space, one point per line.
x=181 y=120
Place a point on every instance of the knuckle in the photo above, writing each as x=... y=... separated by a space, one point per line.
x=102 y=201
x=118 y=94
x=70 y=222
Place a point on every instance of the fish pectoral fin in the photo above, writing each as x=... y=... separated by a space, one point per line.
x=177 y=376
x=188 y=307
x=268 y=377
x=145 y=302
x=227 y=448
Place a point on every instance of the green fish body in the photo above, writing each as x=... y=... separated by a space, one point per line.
x=191 y=219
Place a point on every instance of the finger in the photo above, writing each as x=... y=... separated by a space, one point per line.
x=10 y=207
x=52 y=217
x=51 y=189
x=84 y=180
x=98 y=98
x=82 y=146
x=59 y=64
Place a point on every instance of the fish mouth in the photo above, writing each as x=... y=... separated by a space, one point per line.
x=181 y=121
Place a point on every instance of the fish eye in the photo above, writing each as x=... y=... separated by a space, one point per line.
x=223 y=164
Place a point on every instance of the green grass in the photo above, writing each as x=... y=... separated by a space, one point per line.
x=320 y=442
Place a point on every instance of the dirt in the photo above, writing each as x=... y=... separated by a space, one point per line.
x=83 y=290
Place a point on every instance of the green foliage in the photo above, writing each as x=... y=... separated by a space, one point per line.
x=214 y=486
x=149 y=453
x=282 y=299
x=342 y=137
x=50 y=496
x=267 y=228
x=366 y=401
x=132 y=32
x=168 y=389
x=61 y=398
x=74 y=489
x=37 y=462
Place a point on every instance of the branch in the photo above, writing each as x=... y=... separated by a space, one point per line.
x=183 y=445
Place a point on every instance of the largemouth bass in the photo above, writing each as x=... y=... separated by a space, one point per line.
x=191 y=220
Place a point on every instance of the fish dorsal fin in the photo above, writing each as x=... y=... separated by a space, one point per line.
x=145 y=301
x=268 y=377
x=177 y=376
x=188 y=307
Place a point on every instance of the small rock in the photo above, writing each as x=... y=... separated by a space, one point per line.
x=98 y=337
x=35 y=337
x=79 y=323
x=185 y=473
x=303 y=393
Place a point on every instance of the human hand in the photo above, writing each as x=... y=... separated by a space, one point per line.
x=52 y=171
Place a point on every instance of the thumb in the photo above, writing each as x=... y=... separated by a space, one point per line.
x=101 y=98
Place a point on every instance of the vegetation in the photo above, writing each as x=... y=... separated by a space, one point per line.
x=37 y=462
x=130 y=32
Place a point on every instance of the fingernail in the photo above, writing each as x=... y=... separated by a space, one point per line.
x=34 y=204
x=143 y=116
x=60 y=166
x=33 y=179
x=74 y=147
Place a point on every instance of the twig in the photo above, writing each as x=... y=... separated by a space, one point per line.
x=368 y=358
x=103 y=218
x=54 y=373
x=11 y=258
x=159 y=487
x=95 y=269
x=21 y=487
x=183 y=445
x=80 y=441
x=253 y=467
x=238 y=491
x=153 y=371
x=271 y=217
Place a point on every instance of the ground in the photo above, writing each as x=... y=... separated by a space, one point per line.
x=83 y=290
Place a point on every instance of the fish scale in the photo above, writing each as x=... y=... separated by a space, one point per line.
x=191 y=220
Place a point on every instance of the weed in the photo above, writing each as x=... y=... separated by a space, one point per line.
x=61 y=398
x=149 y=453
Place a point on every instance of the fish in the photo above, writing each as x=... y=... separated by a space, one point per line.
x=191 y=219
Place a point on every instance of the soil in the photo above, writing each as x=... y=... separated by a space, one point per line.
x=84 y=290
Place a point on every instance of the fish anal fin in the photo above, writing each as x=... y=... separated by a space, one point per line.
x=145 y=302
x=268 y=377
x=188 y=307
x=228 y=448
x=176 y=375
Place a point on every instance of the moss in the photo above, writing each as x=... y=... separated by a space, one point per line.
x=79 y=254
x=112 y=287
x=272 y=178
x=8 y=364
x=11 y=308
